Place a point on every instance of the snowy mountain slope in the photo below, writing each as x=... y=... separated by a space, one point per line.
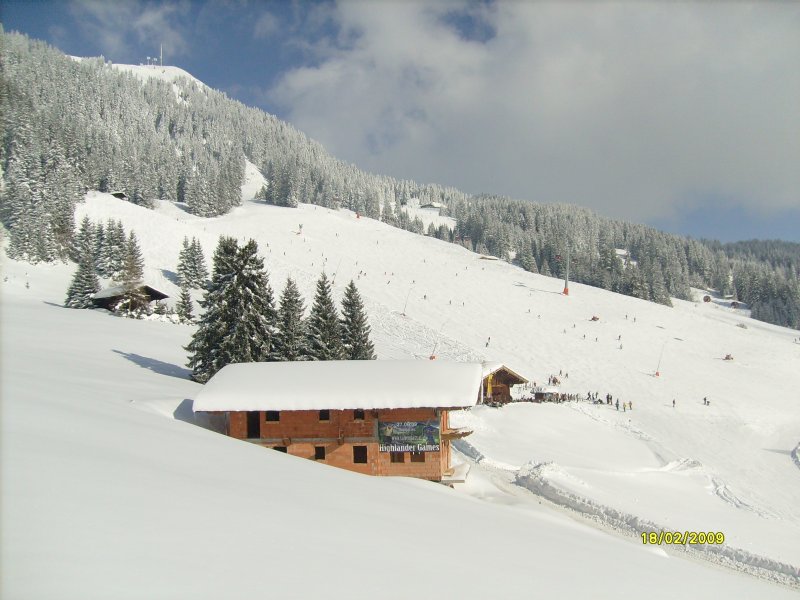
x=70 y=378
x=454 y=302
x=162 y=73
x=103 y=500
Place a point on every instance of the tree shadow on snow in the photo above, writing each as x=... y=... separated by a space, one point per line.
x=170 y=276
x=157 y=366
x=53 y=304
x=785 y=452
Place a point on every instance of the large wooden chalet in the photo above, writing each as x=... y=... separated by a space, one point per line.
x=372 y=417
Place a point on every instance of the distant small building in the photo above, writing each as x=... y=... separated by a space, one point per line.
x=498 y=380
x=545 y=393
x=706 y=298
x=110 y=297
x=120 y=195
x=376 y=417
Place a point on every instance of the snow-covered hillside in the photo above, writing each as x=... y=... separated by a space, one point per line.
x=162 y=73
x=104 y=493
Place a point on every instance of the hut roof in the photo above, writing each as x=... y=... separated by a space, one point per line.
x=490 y=368
x=120 y=290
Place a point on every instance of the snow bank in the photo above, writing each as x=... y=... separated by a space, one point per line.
x=533 y=477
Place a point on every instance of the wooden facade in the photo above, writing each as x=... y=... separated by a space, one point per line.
x=347 y=438
x=497 y=385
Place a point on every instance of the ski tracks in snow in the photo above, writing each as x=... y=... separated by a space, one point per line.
x=533 y=477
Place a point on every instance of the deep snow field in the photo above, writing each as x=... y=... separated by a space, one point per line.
x=108 y=493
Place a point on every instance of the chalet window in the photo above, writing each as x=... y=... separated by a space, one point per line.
x=319 y=452
x=273 y=415
x=360 y=454
x=417 y=457
x=280 y=448
x=397 y=457
x=358 y=414
x=324 y=415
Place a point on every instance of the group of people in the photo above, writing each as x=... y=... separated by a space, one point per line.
x=609 y=400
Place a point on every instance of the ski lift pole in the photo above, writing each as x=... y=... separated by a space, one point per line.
x=407 y=297
x=658 y=367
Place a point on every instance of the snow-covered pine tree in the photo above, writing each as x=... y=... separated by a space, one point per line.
x=115 y=248
x=324 y=330
x=183 y=307
x=197 y=263
x=134 y=302
x=83 y=241
x=291 y=342
x=133 y=263
x=100 y=255
x=526 y=260
x=355 y=328
x=84 y=284
x=184 y=269
x=251 y=334
x=239 y=321
x=205 y=357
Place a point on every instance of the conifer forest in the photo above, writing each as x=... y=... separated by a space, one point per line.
x=70 y=125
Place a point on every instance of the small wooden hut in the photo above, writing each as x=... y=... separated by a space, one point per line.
x=498 y=380
x=109 y=298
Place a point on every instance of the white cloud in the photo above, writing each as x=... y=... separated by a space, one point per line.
x=265 y=25
x=634 y=110
x=121 y=28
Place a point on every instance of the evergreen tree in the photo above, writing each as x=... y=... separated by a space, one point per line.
x=101 y=259
x=133 y=263
x=184 y=308
x=185 y=277
x=324 y=330
x=355 y=329
x=84 y=284
x=84 y=241
x=251 y=337
x=239 y=322
x=545 y=270
x=134 y=302
x=197 y=262
x=114 y=248
x=291 y=342
x=205 y=348
x=526 y=260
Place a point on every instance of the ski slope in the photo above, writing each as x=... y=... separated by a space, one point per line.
x=107 y=494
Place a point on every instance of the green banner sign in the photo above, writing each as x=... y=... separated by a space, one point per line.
x=409 y=436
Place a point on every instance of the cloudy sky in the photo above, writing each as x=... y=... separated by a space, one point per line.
x=685 y=116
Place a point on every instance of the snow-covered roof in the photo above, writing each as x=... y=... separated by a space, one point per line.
x=341 y=384
x=119 y=290
x=494 y=367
